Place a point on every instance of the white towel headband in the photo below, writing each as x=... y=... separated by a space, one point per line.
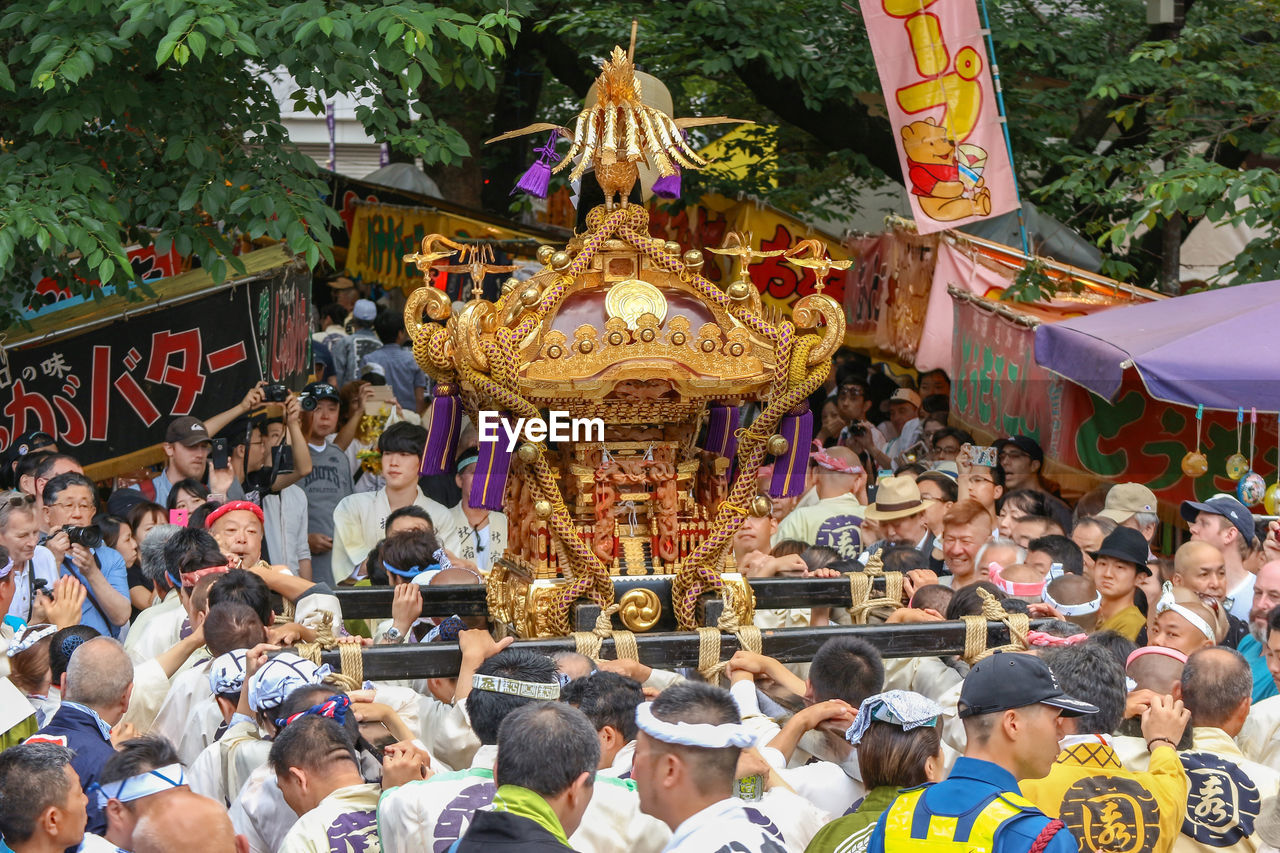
x=703 y=735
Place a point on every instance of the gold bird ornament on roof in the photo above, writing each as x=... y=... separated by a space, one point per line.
x=817 y=261
x=620 y=131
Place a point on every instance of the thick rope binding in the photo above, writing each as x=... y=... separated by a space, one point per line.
x=975 y=632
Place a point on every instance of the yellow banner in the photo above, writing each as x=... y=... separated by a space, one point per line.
x=382 y=234
x=705 y=225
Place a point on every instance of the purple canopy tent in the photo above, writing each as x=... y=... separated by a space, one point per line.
x=1219 y=348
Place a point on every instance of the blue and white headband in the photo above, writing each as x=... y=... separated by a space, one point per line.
x=415 y=573
x=32 y=635
x=226 y=673
x=143 y=785
x=901 y=708
x=280 y=676
x=702 y=735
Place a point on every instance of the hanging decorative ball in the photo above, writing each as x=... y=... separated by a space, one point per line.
x=1194 y=464
x=545 y=253
x=777 y=445
x=530 y=296
x=693 y=259
x=739 y=290
x=1251 y=488
x=1271 y=499
x=528 y=453
x=560 y=261
x=542 y=509
x=1237 y=466
x=761 y=506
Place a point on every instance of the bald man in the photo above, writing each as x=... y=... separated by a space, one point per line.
x=1200 y=568
x=190 y=823
x=835 y=520
x=1075 y=599
x=95 y=694
x=1266 y=597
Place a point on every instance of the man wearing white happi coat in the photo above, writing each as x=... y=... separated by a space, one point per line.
x=686 y=758
x=316 y=768
x=190 y=716
x=432 y=814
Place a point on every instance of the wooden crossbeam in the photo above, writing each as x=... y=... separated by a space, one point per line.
x=469 y=599
x=675 y=649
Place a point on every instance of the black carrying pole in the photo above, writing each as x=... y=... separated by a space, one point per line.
x=671 y=650
x=469 y=599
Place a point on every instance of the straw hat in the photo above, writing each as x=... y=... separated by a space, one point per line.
x=897 y=497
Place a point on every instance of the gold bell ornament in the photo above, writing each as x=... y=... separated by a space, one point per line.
x=1251 y=487
x=1237 y=464
x=1194 y=464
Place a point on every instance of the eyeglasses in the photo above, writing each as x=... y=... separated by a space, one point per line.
x=973 y=479
x=851 y=391
x=79 y=505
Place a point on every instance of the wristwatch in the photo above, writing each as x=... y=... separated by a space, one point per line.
x=394 y=635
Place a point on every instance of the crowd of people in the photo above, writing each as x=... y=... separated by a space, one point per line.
x=162 y=689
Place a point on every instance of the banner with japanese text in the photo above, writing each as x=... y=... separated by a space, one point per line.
x=382 y=234
x=933 y=67
x=996 y=385
x=704 y=225
x=112 y=390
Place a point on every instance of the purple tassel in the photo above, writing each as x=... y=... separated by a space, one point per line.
x=668 y=186
x=490 y=482
x=789 y=468
x=536 y=181
x=442 y=431
x=722 y=426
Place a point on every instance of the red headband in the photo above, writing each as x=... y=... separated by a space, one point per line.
x=190 y=579
x=1155 y=650
x=826 y=460
x=995 y=573
x=232 y=506
x=1040 y=638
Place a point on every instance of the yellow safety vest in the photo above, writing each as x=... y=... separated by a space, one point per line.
x=943 y=832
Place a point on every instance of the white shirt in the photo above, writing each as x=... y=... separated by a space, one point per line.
x=432 y=814
x=42 y=565
x=347 y=819
x=480 y=545
x=285 y=526
x=721 y=825
x=359 y=522
x=259 y=811
x=189 y=717
x=157 y=628
x=1241 y=598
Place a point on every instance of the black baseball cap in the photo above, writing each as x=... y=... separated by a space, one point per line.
x=1227 y=507
x=1008 y=680
x=1025 y=443
x=1125 y=543
x=322 y=391
x=30 y=442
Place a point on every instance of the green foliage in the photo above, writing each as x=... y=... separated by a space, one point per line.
x=1111 y=132
x=126 y=121
x=1193 y=120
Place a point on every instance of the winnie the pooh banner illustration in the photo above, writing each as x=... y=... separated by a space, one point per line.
x=942 y=105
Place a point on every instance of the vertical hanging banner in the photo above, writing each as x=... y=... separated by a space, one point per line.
x=941 y=102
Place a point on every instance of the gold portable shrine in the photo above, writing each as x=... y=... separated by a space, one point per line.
x=622 y=327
